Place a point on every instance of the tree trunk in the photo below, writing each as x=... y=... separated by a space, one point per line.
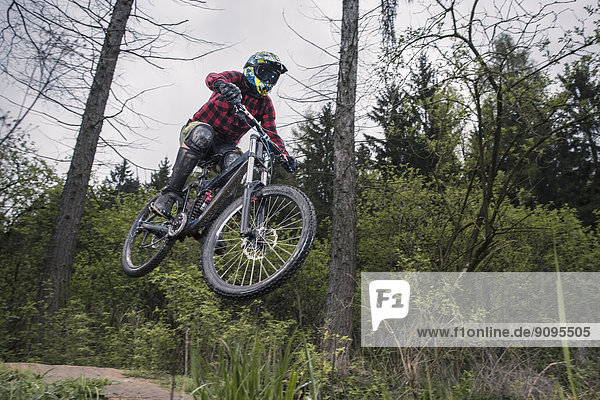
x=59 y=261
x=342 y=285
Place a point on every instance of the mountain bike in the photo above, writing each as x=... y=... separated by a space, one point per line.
x=251 y=243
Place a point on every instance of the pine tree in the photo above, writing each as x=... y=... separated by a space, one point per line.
x=160 y=178
x=342 y=265
x=121 y=180
x=570 y=168
x=314 y=140
x=418 y=126
x=524 y=117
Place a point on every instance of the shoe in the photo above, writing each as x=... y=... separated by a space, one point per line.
x=164 y=203
x=184 y=165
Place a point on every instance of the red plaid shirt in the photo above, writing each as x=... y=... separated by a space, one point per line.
x=219 y=114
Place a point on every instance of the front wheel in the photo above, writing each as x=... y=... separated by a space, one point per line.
x=147 y=243
x=282 y=229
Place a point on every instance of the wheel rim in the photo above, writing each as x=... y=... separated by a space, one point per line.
x=276 y=225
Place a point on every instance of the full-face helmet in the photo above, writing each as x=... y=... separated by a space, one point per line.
x=262 y=70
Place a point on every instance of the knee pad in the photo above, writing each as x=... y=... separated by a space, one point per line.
x=200 y=139
x=229 y=158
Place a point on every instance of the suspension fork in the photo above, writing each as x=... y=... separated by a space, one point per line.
x=256 y=148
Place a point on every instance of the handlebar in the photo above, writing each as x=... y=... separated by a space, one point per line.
x=253 y=122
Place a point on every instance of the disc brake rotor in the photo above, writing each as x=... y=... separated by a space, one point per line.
x=260 y=244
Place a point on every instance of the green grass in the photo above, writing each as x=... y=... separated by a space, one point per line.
x=250 y=371
x=563 y=318
x=26 y=385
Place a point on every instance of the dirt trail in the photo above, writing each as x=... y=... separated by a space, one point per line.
x=125 y=388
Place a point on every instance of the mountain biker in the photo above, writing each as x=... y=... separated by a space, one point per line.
x=216 y=129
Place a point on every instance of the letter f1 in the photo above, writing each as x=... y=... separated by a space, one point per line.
x=388 y=300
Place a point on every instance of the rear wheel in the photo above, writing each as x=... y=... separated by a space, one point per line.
x=282 y=229
x=147 y=243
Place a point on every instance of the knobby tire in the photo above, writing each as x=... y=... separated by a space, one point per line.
x=144 y=249
x=238 y=267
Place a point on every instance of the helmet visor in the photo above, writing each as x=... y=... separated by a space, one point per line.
x=267 y=73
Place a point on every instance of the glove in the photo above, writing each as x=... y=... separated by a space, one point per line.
x=290 y=164
x=228 y=90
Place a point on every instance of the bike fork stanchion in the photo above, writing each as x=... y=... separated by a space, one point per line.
x=264 y=179
x=248 y=186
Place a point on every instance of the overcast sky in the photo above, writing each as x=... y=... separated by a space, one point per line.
x=246 y=27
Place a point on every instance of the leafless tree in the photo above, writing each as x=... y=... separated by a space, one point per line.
x=342 y=266
x=64 y=51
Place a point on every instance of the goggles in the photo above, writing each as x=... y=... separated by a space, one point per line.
x=267 y=73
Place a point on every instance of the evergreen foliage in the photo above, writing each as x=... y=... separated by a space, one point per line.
x=121 y=180
x=160 y=178
x=314 y=142
x=570 y=168
x=420 y=125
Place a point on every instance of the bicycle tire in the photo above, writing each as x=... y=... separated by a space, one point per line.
x=289 y=229
x=139 y=258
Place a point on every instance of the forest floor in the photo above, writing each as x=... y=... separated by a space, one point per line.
x=123 y=388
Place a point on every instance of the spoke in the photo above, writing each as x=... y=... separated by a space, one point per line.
x=288 y=207
x=289 y=220
x=241 y=262
x=277 y=222
x=231 y=250
x=274 y=210
x=275 y=269
x=265 y=205
x=282 y=260
x=231 y=263
x=228 y=253
x=292 y=225
x=251 y=272
x=234 y=221
x=286 y=244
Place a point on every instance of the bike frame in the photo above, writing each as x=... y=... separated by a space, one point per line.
x=256 y=156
